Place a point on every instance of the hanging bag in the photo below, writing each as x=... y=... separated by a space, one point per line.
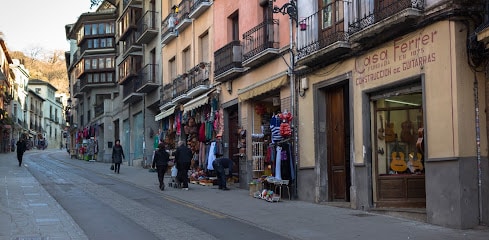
x=112 y=167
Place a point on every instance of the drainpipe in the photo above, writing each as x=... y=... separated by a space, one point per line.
x=478 y=145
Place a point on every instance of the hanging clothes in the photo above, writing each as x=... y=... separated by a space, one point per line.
x=212 y=156
x=275 y=128
x=278 y=162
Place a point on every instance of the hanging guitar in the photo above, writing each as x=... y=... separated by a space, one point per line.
x=381 y=131
x=415 y=164
x=398 y=163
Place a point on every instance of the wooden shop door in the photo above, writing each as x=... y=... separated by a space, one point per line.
x=337 y=141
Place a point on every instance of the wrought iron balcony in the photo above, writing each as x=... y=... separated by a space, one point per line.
x=180 y=88
x=199 y=7
x=320 y=45
x=129 y=93
x=167 y=96
x=147 y=28
x=198 y=79
x=147 y=76
x=168 y=30
x=183 y=20
x=76 y=90
x=261 y=43
x=387 y=19
x=228 y=62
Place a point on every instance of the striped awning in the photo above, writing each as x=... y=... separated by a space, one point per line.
x=165 y=114
x=197 y=102
x=262 y=87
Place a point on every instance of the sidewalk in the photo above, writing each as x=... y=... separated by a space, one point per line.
x=27 y=211
x=293 y=218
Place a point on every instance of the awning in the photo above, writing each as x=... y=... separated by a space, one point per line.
x=262 y=87
x=165 y=114
x=197 y=102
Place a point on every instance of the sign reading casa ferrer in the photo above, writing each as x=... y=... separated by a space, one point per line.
x=404 y=53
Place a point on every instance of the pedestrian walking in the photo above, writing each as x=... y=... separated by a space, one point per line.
x=117 y=155
x=160 y=162
x=183 y=158
x=223 y=168
x=21 y=148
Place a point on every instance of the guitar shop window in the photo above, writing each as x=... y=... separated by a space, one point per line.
x=399 y=133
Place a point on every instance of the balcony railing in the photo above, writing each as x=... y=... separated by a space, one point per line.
x=180 y=85
x=199 y=7
x=167 y=95
x=183 y=20
x=147 y=28
x=328 y=42
x=129 y=93
x=261 y=43
x=130 y=44
x=99 y=79
x=383 y=10
x=228 y=61
x=168 y=30
x=198 y=79
x=147 y=75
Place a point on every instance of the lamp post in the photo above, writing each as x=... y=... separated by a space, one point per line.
x=290 y=8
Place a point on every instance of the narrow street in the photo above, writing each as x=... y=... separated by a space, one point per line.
x=53 y=196
x=108 y=208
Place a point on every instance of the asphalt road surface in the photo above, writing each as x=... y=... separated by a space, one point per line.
x=106 y=208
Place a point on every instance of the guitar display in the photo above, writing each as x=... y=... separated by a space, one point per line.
x=398 y=163
x=381 y=131
x=390 y=135
x=407 y=134
x=414 y=163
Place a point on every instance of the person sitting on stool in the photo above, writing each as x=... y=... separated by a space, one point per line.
x=220 y=165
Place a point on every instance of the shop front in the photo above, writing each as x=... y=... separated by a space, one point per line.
x=395 y=128
x=268 y=119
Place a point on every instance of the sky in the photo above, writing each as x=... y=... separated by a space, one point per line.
x=28 y=24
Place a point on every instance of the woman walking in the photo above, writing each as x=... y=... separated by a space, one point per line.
x=21 y=147
x=117 y=155
x=160 y=161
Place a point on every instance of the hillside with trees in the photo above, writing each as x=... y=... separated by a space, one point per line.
x=49 y=67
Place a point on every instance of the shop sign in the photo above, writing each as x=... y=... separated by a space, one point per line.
x=404 y=53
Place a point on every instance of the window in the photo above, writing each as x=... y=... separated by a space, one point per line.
x=186 y=59
x=173 y=68
x=235 y=27
x=204 y=48
x=327 y=14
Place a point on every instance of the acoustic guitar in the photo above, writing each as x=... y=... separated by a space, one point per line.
x=398 y=163
x=407 y=134
x=414 y=163
x=381 y=131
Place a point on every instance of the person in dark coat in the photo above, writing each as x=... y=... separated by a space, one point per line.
x=160 y=162
x=117 y=155
x=21 y=148
x=183 y=159
x=221 y=166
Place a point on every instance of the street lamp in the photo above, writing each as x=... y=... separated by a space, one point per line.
x=290 y=8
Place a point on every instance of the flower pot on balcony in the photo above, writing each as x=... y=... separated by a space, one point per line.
x=303 y=26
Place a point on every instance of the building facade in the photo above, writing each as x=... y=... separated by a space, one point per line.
x=395 y=102
x=93 y=85
x=20 y=99
x=6 y=83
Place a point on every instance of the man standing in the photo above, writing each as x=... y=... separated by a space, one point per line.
x=21 y=147
x=183 y=158
x=160 y=162
x=223 y=166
